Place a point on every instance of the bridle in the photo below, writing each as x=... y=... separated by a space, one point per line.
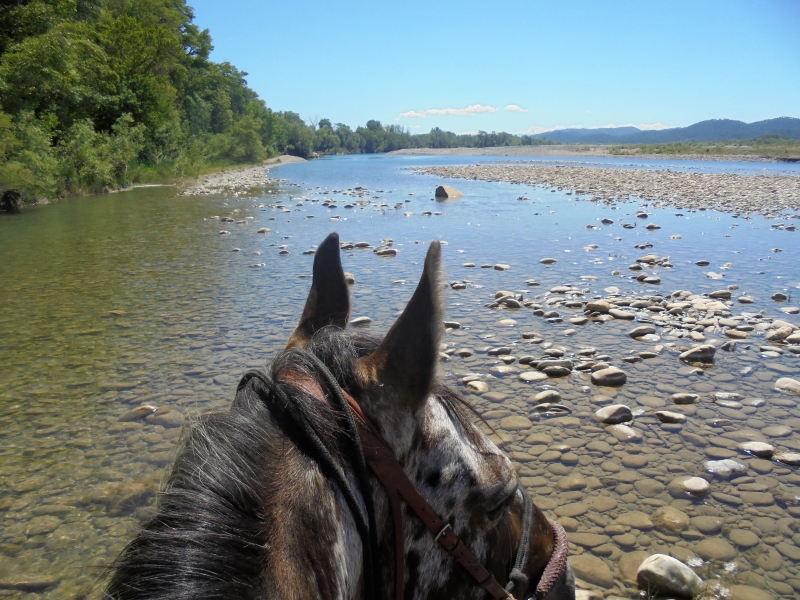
x=377 y=455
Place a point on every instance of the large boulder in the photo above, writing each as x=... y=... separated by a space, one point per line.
x=446 y=192
x=668 y=575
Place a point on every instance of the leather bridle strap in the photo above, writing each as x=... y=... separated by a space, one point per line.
x=397 y=485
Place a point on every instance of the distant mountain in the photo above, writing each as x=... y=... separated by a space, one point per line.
x=714 y=130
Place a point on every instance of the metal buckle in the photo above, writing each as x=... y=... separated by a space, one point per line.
x=441 y=532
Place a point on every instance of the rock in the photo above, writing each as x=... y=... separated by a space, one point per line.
x=515 y=423
x=446 y=191
x=703 y=354
x=629 y=564
x=166 y=418
x=778 y=335
x=715 y=548
x=612 y=376
x=725 y=467
x=531 y=376
x=746 y=592
x=668 y=517
x=588 y=540
x=688 y=486
x=786 y=384
x=360 y=321
x=42 y=525
x=642 y=330
x=592 y=570
x=464 y=352
x=760 y=449
x=744 y=538
x=349 y=278
x=789 y=458
x=25 y=582
x=720 y=295
x=478 y=386
x=548 y=261
x=263 y=230
x=684 y=398
x=652 y=226
x=548 y=396
x=621 y=314
x=707 y=524
x=665 y=574
x=624 y=433
x=451 y=324
x=140 y=412
x=613 y=414
x=502 y=267
x=666 y=416
x=599 y=306
x=636 y=519
x=779 y=297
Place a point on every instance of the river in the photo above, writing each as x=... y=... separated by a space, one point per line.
x=114 y=301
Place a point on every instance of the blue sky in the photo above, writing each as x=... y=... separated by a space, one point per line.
x=514 y=66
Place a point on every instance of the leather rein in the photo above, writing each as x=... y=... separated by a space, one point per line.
x=381 y=461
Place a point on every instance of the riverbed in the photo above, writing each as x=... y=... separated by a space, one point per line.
x=152 y=298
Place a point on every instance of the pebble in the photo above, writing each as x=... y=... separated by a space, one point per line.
x=360 y=321
x=641 y=331
x=684 y=398
x=725 y=467
x=592 y=569
x=693 y=486
x=613 y=414
x=702 y=354
x=759 y=449
x=478 y=386
x=787 y=384
x=515 y=423
x=531 y=376
x=666 y=416
x=671 y=518
x=612 y=376
x=547 y=396
x=744 y=538
x=715 y=548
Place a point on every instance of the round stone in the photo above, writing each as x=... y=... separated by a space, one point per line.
x=531 y=376
x=715 y=548
x=691 y=486
x=515 y=423
x=611 y=376
x=759 y=449
x=548 y=396
x=707 y=524
x=592 y=569
x=744 y=538
x=613 y=414
x=668 y=517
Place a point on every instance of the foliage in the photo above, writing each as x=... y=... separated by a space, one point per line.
x=96 y=94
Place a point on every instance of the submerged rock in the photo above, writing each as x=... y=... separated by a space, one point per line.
x=447 y=192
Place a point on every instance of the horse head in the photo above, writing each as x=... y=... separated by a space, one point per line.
x=272 y=500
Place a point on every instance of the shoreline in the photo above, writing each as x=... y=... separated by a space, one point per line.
x=766 y=195
x=587 y=151
x=238 y=179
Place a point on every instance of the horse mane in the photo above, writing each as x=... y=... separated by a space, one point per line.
x=207 y=537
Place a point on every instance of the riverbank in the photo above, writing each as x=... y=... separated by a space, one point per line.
x=586 y=151
x=726 y=192
x=239 y=179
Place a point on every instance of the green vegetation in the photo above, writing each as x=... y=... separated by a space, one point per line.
x=768 y=146
x=96 y=94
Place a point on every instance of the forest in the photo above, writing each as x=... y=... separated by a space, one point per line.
x=96 y=94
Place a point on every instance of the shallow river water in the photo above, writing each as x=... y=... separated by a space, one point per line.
x=136 y=298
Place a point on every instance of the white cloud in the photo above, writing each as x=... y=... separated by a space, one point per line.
x=533 y=129
x=516 y=108
x=653 y=126
x=455 y=112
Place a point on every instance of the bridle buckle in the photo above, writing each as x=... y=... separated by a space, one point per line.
x=441 y=532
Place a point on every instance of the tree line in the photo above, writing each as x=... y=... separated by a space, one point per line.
x=95 y=94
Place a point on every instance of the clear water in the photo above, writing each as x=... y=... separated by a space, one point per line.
x=114 y=301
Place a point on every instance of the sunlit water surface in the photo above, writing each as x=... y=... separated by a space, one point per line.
x=118 y=300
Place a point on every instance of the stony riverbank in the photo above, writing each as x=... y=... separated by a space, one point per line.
x=238 y=180
x=760 y=194
x=586 y=151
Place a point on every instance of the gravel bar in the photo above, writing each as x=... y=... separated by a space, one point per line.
x=761 y=194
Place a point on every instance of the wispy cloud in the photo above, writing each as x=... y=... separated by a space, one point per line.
x=516 y=108
x=454 y=112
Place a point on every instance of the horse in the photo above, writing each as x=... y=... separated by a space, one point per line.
x=346 y=471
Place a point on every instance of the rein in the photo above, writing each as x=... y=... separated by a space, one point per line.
x=375 y=453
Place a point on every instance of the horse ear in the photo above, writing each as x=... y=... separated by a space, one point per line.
x=328 y=301
x=407 y=357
